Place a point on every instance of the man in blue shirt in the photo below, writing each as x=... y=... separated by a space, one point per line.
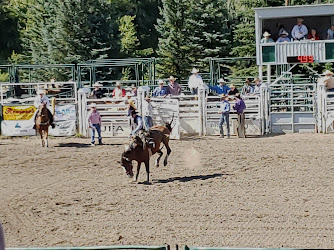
x=221 y=88
x=224 y=110
x=160 y=90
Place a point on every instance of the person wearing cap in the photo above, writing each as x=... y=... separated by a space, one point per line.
x=299 y=31
x=97 y=92
x=330 y=32
x=224 y=110
x=221 y=88
x=147 y=113
x=266 y=38
x=233 y=90
x=94 y=121
x=283 y=37
x=160 y=90
x=328 y=80
x=173 y=87
x=257 y=86
x=118 y=92
x=195 y=81
x=313 y=35
x=247 y=89
x=41 y=99
x=138 y=121
x=240 y=107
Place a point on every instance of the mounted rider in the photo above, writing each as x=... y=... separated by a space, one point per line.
x=41 y=99
x=139 y=129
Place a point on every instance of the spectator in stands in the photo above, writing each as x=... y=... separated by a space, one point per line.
x=328 y=80
x=266 y=38
x=313 y=35
x=281 y=30
x=233 y=90
x=283 y=37
x=195 y=80
x=160 y=90
x=221 y=88
x=257 y=86
x=94 y=121
x=299 y=31
x=2 y=238
x=147 y=113
x=138 y=121
x=41 y=99
x=330 y=32
x=240 y=107
x=247 y=89
x=97 y=92
x=134 y=89
x=173 y=87
x=118 y=92
x=225 y=116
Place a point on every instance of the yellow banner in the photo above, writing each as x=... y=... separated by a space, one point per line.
x=18 y=112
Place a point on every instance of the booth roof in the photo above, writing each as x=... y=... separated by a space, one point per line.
x=295 y=11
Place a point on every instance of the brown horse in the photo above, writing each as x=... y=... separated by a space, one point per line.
x=42 y=124
x=137 y=152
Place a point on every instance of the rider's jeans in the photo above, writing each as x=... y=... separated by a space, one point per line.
x=96 y=127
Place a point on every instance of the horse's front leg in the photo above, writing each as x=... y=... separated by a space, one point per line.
x=46 y=137
x=41 y=134
x=159 y=157
x=147 y=166
x=137 y=174
x=168 y=153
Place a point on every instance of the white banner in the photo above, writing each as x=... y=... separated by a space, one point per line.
x=65 y=113
x=63 y=128
x=17 y=128
x=114 y=129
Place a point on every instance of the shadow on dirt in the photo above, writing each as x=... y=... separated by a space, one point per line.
x=191 y=178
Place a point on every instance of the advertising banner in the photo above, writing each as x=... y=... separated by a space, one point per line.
x=65 y=113
x=17 y=128
x=16 y=113
x=63 y=128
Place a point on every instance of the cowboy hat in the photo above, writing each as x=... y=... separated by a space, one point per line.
x=300 y=20
x=221 y=80
x=161 y=82
x=257 y=80
x=118 y=84
x=97 y=84
x=266 y=33
x=93 y=105
x=39 y=92
x=147 y=97
x=133 y=86
x=237 y=95
x=328 y=72
x=171 y=78
x=284 y=33
x=194 y=71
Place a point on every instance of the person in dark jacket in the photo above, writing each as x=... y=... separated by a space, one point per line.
x=240 y=107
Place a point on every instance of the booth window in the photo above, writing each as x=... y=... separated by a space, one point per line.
x=329 y=51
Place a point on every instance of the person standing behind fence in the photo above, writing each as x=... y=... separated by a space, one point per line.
x=195 y=80
x=147 y=113
x=173 y=87
x=2 y=238
x=94 y=121
x=97 y=92
x=299 y=31
x=160 y=90
x=221 y=88
x=239 y=107
x=225 y=116
x=247 y=89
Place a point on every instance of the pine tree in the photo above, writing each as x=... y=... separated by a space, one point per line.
x=173 y=41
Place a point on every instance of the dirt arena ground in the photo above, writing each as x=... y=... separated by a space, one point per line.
x=257 y=192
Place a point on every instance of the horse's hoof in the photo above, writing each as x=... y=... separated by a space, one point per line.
x=156 y=166
x=165 y=163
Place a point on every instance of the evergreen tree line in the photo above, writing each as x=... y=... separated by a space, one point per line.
x=182 y=33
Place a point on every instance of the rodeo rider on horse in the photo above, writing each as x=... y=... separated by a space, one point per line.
x=41 y=99
x=139 y=130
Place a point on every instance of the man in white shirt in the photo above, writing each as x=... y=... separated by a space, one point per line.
x=147 y=113
x=41 y=99
x=330 y=32
x=195 y=80
x=328 y=80
x=299 y=31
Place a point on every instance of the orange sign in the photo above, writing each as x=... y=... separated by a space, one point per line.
x=18 y=112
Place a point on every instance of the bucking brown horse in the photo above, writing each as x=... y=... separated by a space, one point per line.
x=136 y=151
x=42 y=124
